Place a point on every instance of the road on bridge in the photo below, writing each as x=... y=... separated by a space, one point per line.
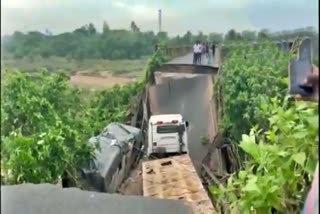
x=188 y=59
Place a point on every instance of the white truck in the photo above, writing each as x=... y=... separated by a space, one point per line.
x=167 y=134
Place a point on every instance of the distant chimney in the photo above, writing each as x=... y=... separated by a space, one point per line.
x=159 y=20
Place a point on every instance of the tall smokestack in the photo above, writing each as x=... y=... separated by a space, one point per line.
x=159 y=20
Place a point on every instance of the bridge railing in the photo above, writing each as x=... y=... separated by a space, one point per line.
x=176 y=51
x=287 y=45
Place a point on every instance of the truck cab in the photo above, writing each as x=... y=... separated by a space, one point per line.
x=167 y=134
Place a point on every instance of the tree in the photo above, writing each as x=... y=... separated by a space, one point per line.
x=48 y=32
x=86 y=43
x=134 y=27
x=162 y=36
x=105 y=27
x=231 y=35
x=216 y=38
x=201 y=37
x=187 y=38
x=91 y=29
x=82 y=30
x=263 y=34
x=248 y=35
x=17 y=34
x=86 y=30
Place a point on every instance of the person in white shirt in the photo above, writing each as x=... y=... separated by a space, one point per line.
x=196 y=52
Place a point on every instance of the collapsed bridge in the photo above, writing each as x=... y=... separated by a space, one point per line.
x=186 y=90
x=174 y=88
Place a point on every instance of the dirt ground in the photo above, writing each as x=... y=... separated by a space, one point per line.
x=99 y=82
x=133 y=185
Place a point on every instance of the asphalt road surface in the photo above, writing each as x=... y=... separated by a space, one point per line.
x=50 y=199
x=188 y=59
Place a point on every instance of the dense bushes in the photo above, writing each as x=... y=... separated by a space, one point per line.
x=45 y=124
x=279 y=137
x=281 y=164
x=87 y=43
x=250 y=76
x=116 y=44
x=158 y=58
x=42 y=134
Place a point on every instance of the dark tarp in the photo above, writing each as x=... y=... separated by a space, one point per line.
x=106 y=172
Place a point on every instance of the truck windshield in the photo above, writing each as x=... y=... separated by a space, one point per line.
x=168 y=129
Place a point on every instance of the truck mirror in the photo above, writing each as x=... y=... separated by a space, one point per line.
x=187 y=124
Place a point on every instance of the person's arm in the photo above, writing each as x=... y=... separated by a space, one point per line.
x=312 y=202
x=312 y=80
x=311 y=205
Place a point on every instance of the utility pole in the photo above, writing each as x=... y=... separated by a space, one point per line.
x=159 y=20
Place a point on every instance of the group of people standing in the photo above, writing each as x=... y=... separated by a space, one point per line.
x=200 y=50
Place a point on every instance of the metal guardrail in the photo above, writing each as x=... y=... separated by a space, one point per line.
x=286 y=45
x=176 y=51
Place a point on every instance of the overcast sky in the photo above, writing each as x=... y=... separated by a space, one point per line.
x=178 y=15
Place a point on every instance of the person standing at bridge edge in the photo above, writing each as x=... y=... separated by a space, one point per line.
x=196 y=52
x=213 y=47
x=207 y=50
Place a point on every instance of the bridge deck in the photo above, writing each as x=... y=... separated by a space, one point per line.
x=175 y=178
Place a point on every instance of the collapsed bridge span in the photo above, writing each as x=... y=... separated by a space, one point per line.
x=186 y=90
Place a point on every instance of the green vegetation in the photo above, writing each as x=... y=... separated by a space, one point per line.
x=155 y=62
x=250 y=76
x=278 y=137
x=282 y=160
x=117 y=51
x=45 y=123
x=87 y=42
x=83 y=43
x=92 y=66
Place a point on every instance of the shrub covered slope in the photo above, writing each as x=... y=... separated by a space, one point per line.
x=278 y=137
